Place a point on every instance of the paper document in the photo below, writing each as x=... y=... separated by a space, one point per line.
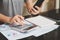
x=41 y=21
x=44 y=30
x=14 y=35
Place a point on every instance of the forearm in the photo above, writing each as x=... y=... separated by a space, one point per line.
x=28 y=2
x=4 y=18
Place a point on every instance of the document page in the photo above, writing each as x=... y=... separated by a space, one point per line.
x=41 y=21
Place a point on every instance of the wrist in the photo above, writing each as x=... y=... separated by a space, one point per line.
x=8 y=20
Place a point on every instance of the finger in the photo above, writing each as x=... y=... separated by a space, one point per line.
x=34 y=10
x=16 y=22
x=19 y=21
x=37 y=7
x=22 y=22
x=21 y=17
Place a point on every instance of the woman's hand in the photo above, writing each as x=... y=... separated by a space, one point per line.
x=17 y=20
x=35 y=11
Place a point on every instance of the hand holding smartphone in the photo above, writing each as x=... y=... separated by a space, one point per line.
x=38 y=3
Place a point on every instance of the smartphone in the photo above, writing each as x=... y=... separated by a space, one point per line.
x=38 y=3
x=25 y=28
